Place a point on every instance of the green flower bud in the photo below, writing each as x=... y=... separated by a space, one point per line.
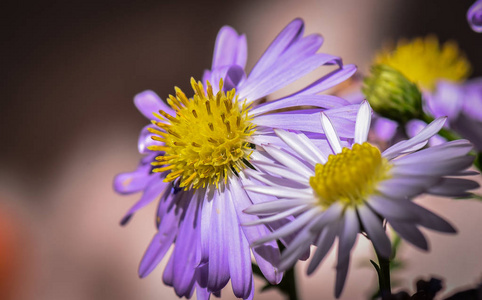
x=392 y=95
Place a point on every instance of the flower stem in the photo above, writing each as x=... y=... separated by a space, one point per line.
x=290 y=280
x=384 y=277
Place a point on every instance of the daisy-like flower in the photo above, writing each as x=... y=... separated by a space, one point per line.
x=198 y=148
x=474 y=16
x=352 y=188
x=440 y=71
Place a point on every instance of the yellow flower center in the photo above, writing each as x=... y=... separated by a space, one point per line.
x=207 y=140
x=351 y=176
x=424 y=61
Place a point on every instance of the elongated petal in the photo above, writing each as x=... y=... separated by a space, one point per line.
x=324 y=244
x=410 y=233
x=184 y=253
x=230 y=49
x=289 y=228
x=348 y=234
x=392 y=208
x=153 y=190
x=267 y=256
x=453 y=187
x=292 y=32
x=275 y=206
x=148 y=102
x=239 y=255
x=322 y=101
x=331 y=133
x=328 y=81
x=300 y=146
x=158 y=247
x=218 y=256
x=374 y=229
x=419 y=140
x=289 y=161
x=363 y=120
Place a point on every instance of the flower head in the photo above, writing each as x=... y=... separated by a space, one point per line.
x=199 y=147
x=474 y=16
x=424 y=61
x=353 y=187
x=391 y=94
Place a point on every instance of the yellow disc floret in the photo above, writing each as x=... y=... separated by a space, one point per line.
x=424 y=61
x=207 y=140
x=350 y=176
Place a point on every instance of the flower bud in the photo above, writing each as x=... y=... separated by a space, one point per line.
x=392 y=95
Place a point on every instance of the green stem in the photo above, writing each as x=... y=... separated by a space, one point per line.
x=384 y=277
x=290 y=278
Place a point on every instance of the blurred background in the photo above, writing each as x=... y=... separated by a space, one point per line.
x=68 y=74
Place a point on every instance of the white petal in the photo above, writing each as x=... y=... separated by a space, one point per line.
x=363 y=120
x=276 y=169
x=289 y=161
x=278 y=216
x=281 y=192
x=289 y=228
x=297 y=145
x=330 y=133
x=348 y=234
x=417 y=141
x=277 y=206
x=331 y=214
x=314 y=150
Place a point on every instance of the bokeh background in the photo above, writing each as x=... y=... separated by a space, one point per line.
x=68 y=73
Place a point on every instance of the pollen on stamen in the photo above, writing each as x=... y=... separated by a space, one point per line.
x=349 y=177
x=201 y=144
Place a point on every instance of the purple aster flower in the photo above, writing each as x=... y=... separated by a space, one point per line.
x=462 y=104
x=197 y=150
x=352 y=188
x=474 y=16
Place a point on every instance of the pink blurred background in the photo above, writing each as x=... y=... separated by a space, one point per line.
x=69 y=72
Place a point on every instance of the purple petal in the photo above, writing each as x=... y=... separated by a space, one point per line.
x=145 y=140
x=218 y=255
x=447 y=100
x=133 y=182
x=154 y=189
x=328 y=81
x=409 y=232
x=234 y=75
x=239 y=254
x=341 y=273
x=348 y=234
x=267 y=256
x=474 y=16
x=229 y=49
x=290 y=34
x=385 y=129
x=148 y=102
x=472 y=104
x=392 y=208
x=322 y=101
x=324 y=244
x=453 y=187
x=374 y=228
x=158 y=247
x=308 y=120
x=279 y=78
x=417 y=141
x=184 y=253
